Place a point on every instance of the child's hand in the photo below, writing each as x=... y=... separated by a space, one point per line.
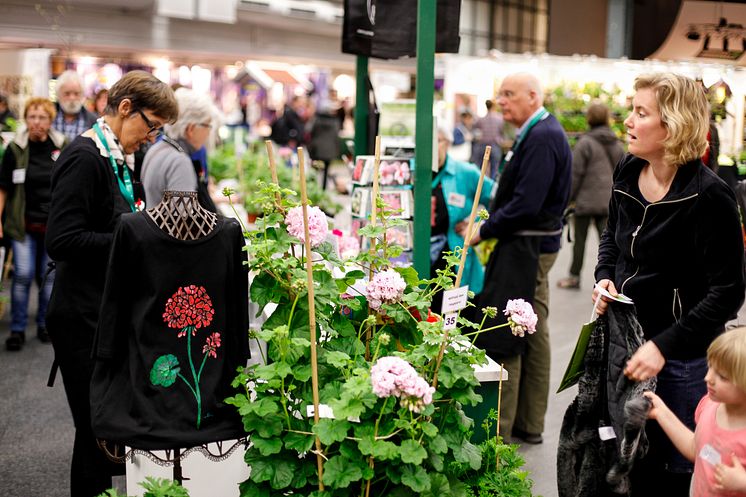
x=658 y=404
x=732 y=478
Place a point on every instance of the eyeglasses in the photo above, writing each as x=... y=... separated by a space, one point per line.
x=153 y=128
x=205 y=125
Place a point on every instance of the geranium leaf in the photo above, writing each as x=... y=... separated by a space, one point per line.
x=331 y=430
x=366 y=445
x=330 y=391
x=436 y=461
x=438 y=486
x=438 y=445
x=343 y=326
x=266 y=406
x=339 y=472
x=261 y=469
x=466 y=396
x=410 y=275
x=355 y=274
x=302 y=373
x=299 y=442
x=268 y=426
x=415 y=478
x=283 y=475
x=337 y=358
x=267 y=446
x=394 y=473
x=468 y=453
x=264 y=289
x=250 y=489
x=371 y=231
x=385 y=450
x=412 y=452
x=429 y=429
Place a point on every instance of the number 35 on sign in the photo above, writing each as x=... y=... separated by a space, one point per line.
x=449 y=321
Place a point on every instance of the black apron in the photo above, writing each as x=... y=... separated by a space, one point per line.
x=510 y=274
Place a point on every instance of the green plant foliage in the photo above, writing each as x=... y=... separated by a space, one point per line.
x=254 y=172
x=569 y=101
x=154 y=487
x=370 y=445
x=499 y=473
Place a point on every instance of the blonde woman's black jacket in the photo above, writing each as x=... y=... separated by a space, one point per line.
x=680 y=259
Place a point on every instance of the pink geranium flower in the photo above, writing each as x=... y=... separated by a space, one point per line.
x=318 y=226
x=349 y=247
x=385 y=287
x=521 y=317
x=394 y=376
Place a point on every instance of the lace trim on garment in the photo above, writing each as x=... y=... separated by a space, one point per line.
x=214 y=451
x=116 y=149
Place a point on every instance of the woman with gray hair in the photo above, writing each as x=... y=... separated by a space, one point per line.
x=168 y=165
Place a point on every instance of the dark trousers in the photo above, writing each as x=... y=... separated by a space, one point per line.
x=526 y=393
x=91 y=471
x=581 y=224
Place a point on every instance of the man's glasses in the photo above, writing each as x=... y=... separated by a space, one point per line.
x=153 y=129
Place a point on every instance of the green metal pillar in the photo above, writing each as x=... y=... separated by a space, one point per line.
x=426 y=11
x=361 y=106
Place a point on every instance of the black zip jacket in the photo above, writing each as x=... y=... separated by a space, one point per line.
x=680 y=259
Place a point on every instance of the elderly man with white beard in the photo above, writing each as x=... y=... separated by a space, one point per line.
x=72 y=117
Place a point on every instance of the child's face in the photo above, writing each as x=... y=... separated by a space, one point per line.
x=721 y=389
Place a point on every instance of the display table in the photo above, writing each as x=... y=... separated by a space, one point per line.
x=489 y=376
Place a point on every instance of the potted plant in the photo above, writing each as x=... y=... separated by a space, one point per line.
x=385 y=381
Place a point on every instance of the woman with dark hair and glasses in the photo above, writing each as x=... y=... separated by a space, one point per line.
x=91 y=189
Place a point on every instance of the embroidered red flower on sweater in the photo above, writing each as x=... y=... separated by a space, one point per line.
x=211 y=345
x=189 y=307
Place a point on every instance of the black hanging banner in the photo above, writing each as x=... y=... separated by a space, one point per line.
x=387 y=29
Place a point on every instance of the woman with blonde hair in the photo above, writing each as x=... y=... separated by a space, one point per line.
x=25 y=177
x=673 y=245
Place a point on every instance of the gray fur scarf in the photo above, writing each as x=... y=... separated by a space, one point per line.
x=587 y=465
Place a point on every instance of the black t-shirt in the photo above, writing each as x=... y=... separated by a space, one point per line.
x=37 y=184
x=173 y=329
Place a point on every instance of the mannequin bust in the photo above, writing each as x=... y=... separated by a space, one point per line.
x=181 y=216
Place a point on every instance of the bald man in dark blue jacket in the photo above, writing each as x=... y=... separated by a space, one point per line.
x=526 y=219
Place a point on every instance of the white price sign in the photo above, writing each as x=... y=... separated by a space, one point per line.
x=449 y=321
x=455 y=299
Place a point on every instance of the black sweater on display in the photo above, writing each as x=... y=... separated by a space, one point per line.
x=173 y=329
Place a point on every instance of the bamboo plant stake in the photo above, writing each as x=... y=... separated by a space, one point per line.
x=311 y=313
x=374 y=194
x=472 y=217
x=272 y=166
x=497 y=429
x=373 y=222
x=464 y=252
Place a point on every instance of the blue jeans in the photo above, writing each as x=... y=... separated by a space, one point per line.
x=664 y=471
x=29 y=262
x=681 y=385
